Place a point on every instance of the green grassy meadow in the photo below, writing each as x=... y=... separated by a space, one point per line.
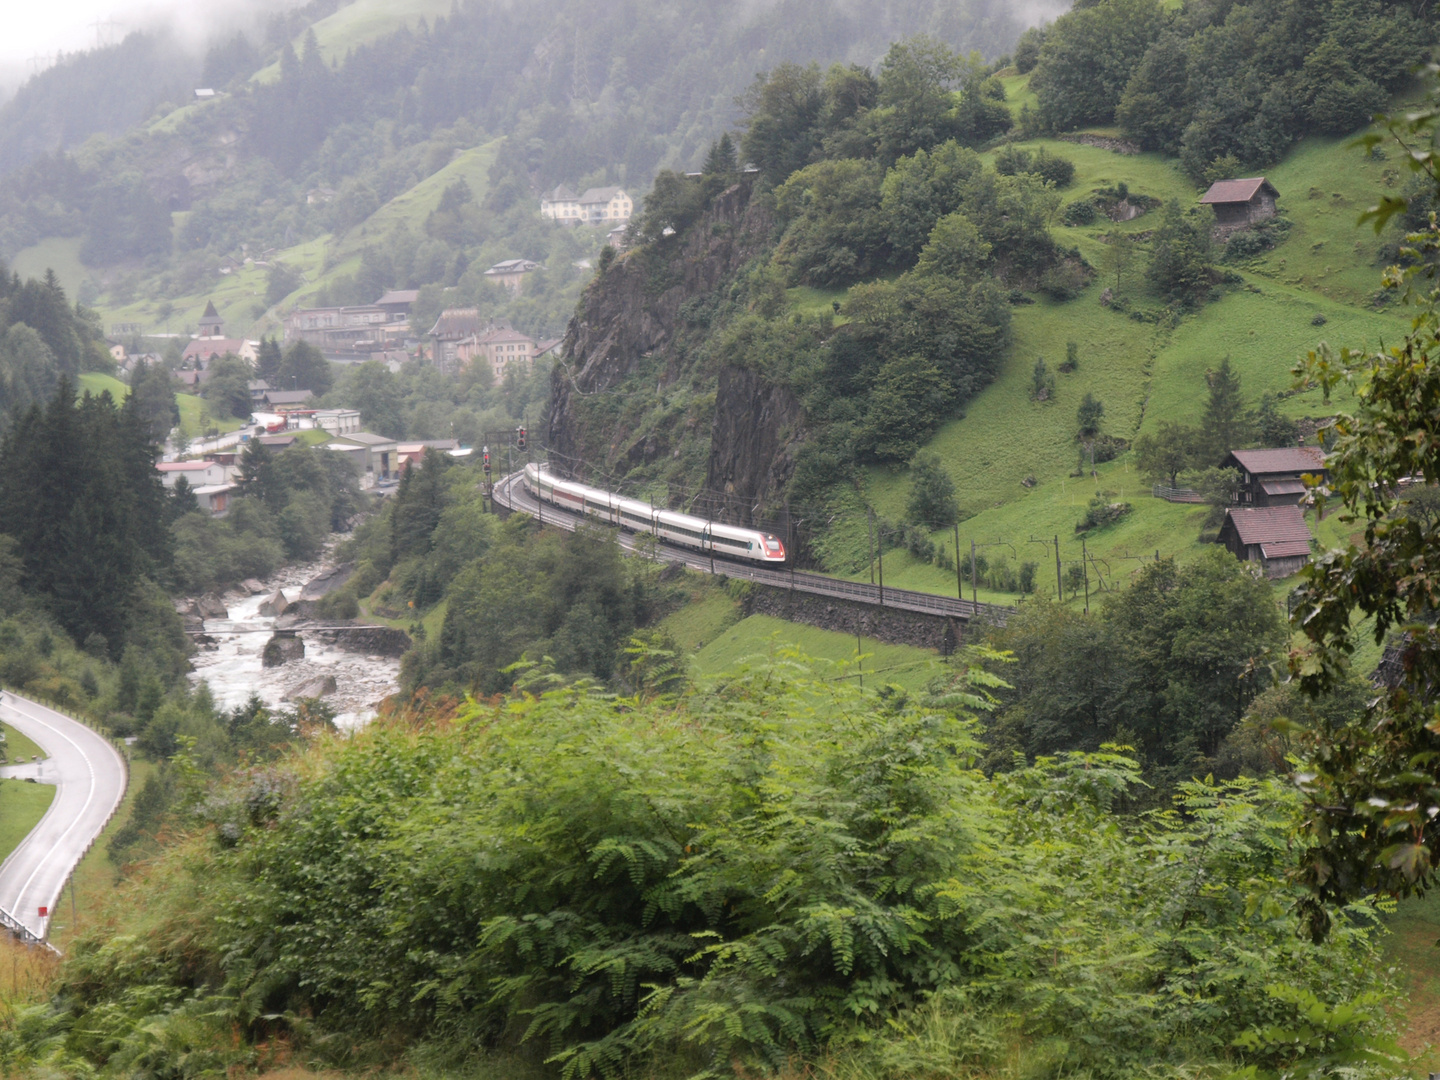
x=58 y=253
x=22 y=805
x=1414 y=947
x=762 y=639
x=360 y=23
x=1013 y=459
x=20 y=747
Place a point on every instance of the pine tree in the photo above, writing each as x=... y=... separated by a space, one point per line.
x=268 y=361
x=722 y=159
x=1225 y=425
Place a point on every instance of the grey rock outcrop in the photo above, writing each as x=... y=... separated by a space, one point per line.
x=212 y=607
x=327 y=581
x=282 y=649
x=253 y=587
x=273 y=606
x=320 y=686
x=646 y=313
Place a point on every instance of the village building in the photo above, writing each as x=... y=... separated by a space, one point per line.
x=1241 y=203
x=375 y=456
x=511 y=273
x=398 y=302
x=597 y=206
x=196 y=473
x=1273 y=477
x=356 y=333
x=282 y=401
x=1276 y=537
x=211 y=324
x=605 y=206
x=560 y=204
x=412 y=453
x=505 y=350
x=455 y=334
x=202 y=352
x=258 y=388
x=337 y=421
x=214 y=499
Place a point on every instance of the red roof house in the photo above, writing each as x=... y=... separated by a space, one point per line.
x=1274 y=536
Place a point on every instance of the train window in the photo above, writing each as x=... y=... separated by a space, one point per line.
x=772 y=543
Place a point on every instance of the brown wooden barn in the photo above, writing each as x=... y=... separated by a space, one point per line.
x=1274 y=536
x=1272 y=477
x=1238 y=203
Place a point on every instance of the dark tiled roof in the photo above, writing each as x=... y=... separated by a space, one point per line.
x=210 y=312
x=1283 y=487
x=1284 y=549
x=1236 y=191
x=1292 y=459
x=457 y=323
x=1272 y=527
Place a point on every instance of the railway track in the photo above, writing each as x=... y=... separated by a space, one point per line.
x=510 y=492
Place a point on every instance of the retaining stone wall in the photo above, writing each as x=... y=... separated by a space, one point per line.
x=890 y=625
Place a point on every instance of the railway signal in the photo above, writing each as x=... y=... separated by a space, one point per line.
x=520 y=438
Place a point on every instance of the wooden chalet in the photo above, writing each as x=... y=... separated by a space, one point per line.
x=1238 y=203
x=1274 y=536
x=1272 y=477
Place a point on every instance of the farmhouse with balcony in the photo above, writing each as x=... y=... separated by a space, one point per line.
x=1272 y=477
x=1274 y=536
x=1241 y=203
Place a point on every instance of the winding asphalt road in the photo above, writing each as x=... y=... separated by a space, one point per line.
x=90 y=778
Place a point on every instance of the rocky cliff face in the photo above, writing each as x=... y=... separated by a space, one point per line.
x=756 y=424
x=641 y=394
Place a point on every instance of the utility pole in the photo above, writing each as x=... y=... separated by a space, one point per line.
x=1059 y=582
x=974 y=575
x=859 y=649
x=870 y=536
x=880 y=561
x=1085 y=566
x=959 y=581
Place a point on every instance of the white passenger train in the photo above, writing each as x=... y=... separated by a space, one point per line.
x=669 y=525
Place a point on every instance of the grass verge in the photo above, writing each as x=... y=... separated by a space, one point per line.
x=86 y=897
x=22 y=805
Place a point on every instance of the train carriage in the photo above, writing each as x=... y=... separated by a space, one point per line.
x=713 y=537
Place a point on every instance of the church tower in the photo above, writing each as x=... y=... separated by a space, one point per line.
x=211 y=325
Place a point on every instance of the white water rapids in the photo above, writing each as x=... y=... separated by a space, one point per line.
x=233 y=669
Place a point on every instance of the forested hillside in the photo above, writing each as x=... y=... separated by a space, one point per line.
x=580 y=96
x=936 y=311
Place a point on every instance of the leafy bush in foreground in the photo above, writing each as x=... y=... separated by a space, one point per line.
x=776 y=866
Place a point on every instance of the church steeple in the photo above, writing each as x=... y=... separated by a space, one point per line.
x=211 y=325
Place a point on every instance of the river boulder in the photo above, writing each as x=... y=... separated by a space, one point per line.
x=318 y=687
x=282 y=649
x=212 y=607
x=273 y=606
x=253 y=587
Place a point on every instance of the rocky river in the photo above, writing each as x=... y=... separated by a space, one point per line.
x=352 y=683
